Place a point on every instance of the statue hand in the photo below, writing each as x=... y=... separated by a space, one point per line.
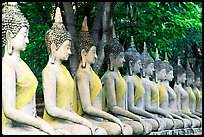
x=121 y=125
x=145 y=128
x=44 y=126
x=161 y=126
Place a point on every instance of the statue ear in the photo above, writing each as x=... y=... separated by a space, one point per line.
x=9 y=37
x=111 y=57
x=53 y=51
x=83 y=56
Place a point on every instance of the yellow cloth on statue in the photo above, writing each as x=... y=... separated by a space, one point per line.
x=120 y=87
x=139 y=90
x=197 y=97
x=25 y=90
x=191 y=95
x=154 y=93
x=64 y=94
x=161 y=93
x=95 y=87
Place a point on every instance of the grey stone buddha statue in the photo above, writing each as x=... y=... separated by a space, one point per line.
x=135 y=90
x=88 y=94
x=18 y=81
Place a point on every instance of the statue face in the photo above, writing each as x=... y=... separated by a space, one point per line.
x=197 y=82
x=190 y=81
x=161 y=74
x=170 y=76
x=64 y=51
x=91 y=55
x=21 y=39
x=119 y=60
x=150 y=69
x=137 y=66
x=183 y=78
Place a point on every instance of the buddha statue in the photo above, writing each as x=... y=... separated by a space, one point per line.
x=182 y=95
x=88 y=93
x=18 y=81
x=160 y=70
x=198 y=92
x=188 y=87
x=58 y=84
x=115 y=89
x=151 y=95
x=135 y=89
x=172 y=107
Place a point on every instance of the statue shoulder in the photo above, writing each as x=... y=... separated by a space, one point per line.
x=82 y=74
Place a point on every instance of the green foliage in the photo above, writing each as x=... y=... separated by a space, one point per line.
x=177 y=26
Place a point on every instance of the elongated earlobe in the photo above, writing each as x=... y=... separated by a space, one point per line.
x=53 y=50
x=9 y=47
x=130 y=67
x=83 y=56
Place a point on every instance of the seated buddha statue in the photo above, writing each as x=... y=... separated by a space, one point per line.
x=182 y=95
x=188 y=87
x=88 y=93
x=172 y=95
x=197 y=92
x=135 y=89
x=18 y=81
x=58 y=84
x=115 y=89
x=151 y=95
x=160 y=70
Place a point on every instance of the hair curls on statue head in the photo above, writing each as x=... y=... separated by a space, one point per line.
x=12 y=20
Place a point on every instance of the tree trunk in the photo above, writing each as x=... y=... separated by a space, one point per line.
x=102 y=31
x=70 y=25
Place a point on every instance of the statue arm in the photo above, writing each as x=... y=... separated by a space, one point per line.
x=49 y=88
x=148 y=106
x=84 y=93
x=9 y=102
x=131 y=107
x=111 y=100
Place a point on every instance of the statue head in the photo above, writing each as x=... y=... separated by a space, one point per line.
x=114 y=53
x=15 y=28
x=197 y=78
x=86 y=46
x=179 y=73
x=147 y=62
x=132 y=58
x=189 y=74
x=159 y=67
x=58 y=39
x=169 y=69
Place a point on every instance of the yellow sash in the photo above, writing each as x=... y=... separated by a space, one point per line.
x=120 y=87
x=64 y=94
x=95 y=87
x=197 y=97
x=154 y=93
x=25 y=89
x=139 y=90
x=161 y=93
x=191 y=95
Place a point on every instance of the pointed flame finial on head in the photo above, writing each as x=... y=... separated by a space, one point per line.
x=145 y=47
x=166 y=57
x=179 y=62
x=157 y=54
x=188 y=65
x=84 y=24
x=58 y=16
x=114 y=35
x=132 y=44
